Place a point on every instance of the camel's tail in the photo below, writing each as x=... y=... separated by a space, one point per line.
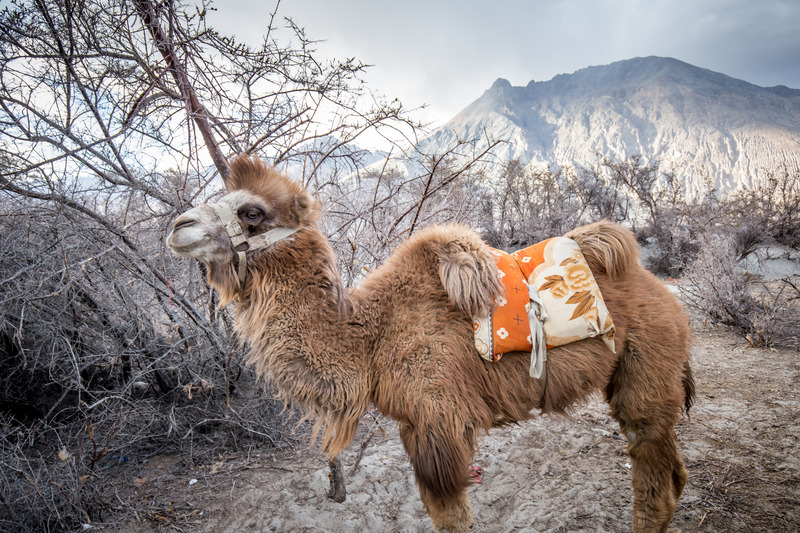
x=608 y=247
x=688 y=387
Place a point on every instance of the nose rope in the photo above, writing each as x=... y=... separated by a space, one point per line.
x=237 y=237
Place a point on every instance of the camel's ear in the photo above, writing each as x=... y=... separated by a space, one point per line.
x=228 y=185
x=305 y=207
x=226 y=175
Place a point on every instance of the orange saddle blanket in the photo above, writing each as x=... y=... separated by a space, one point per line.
x=551 y=298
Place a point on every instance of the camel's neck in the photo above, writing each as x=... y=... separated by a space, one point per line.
x=292 y=279
x=306 y=336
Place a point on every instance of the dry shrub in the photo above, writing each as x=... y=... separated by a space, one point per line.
x=527 y=204
x=100 y=364
x=764 y=312
x=773 y=206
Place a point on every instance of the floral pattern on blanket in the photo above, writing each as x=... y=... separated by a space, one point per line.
x=560 y=277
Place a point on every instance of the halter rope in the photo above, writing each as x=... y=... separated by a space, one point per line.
x=237 y=236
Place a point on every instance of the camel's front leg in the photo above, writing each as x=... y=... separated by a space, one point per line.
x=440 y=454
x=448 y=516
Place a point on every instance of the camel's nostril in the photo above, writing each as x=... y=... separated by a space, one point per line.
x=183 y=223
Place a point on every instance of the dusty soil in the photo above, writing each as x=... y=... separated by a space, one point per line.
x=553 y=474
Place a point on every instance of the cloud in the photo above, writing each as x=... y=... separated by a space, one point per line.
x=447 y=53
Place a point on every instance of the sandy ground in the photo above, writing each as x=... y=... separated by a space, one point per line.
x=553 y=474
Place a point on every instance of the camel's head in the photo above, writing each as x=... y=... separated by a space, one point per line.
x=261 y=207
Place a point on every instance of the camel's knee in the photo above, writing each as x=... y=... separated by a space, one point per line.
x=452 y=516
x=629 y=429
x=656 y=458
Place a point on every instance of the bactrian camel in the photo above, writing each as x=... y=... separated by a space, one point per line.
x=403 y=341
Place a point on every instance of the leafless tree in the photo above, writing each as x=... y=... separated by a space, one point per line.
x=115 y=117
x=659 y=209
x=528 y=203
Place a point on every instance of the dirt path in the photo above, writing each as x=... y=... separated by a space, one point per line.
x=552 y=474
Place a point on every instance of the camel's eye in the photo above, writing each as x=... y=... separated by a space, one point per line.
x=251 y=215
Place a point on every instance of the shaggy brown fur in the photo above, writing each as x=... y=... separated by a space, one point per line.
x=403 y=341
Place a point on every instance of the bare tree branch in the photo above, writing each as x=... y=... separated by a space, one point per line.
x=194 y=108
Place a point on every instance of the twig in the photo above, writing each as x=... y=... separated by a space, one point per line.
x=361 y=453
x=376 y=427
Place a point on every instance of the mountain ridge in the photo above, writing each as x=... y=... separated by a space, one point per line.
x=701 y=121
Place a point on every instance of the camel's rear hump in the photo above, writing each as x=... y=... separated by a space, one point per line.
x=608 y=247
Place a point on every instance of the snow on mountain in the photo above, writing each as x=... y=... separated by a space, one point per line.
x=706 y=123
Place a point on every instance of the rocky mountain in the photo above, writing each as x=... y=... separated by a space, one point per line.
x=705 y=123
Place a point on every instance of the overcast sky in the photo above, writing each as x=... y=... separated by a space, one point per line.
x=446 y=53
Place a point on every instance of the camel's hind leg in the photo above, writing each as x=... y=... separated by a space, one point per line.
x=659 y=476
x=647 y=409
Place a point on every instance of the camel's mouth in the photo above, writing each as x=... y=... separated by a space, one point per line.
x=190 y=236
x=186 y=238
